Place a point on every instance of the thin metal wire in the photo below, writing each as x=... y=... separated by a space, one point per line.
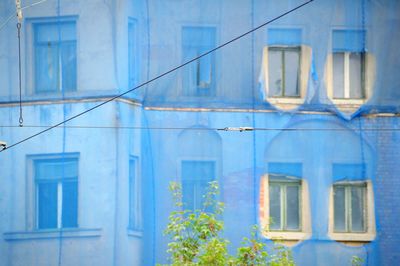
x=21 y=119
x=210 y=129
x=161 y=75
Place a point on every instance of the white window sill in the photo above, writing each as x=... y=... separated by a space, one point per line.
x=352 y=237
x=285 y=103
x=287 y=238
x=52 y=233
x=135 y=233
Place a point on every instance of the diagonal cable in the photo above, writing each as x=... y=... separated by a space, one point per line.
x=159 y=76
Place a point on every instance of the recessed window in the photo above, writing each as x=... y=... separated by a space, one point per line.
x=284 y=208
x=350 y=210
x=352 y=217
x=350 y=69
x=55 y=56
x=284 y=204
x=196 y=176
x=285 y=67
x=135 y=202
x=199 y=76
x=56 y=184
x=284 y=71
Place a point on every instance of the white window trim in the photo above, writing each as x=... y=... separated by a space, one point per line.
x=30 y=52
x=369 y=80
x=290 y=236
x=31 y=192
x=305 y=64
x=367 y=236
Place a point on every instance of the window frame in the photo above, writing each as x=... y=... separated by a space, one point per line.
x=354 y=238
x=136 y=225
x=196 y=159
x=369 y=75
x=199 y=90
x=289 y=237
x=282 y=49
x=32 y=215
x=133 y=67
x=30 y=80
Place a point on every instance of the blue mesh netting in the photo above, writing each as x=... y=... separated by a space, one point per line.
x=297 y=121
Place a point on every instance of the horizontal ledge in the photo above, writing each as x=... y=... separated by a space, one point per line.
x=352 y=237
x=50 y=234
x=135 y=233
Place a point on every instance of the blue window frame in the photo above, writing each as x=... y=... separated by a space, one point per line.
x=133 y=57
x=55 y=56
x=56 y=182
x=199 y=76
x=195 y=178
x=135 y=201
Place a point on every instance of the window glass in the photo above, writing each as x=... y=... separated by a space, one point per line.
x=132 y=54
x=356 y=74
x=292 y=209
x=292 y=59
x=275 y=73
x=357 y=208
x=195 y=178
x=57 y=193
x=135 y=209
x=339 y=209
x=338 y=75
x=275 y=207
x=199 y=76
x=55 y=57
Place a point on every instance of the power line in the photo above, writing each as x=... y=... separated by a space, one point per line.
x=211 y=129
x=161 y=75
x=2 y=25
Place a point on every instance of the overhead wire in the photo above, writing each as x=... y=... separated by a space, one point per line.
x=161 y=75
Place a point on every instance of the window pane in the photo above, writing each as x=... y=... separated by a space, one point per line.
x=338 y=75
x=204 y=70
x=292 y=60
x=274 y=73
x=292 y=208
x=356 y=75
x=47 y=205
x=195 y=178
x=47 y=67
x=68 y=61
x=339 y=209
x=357 y=209
x=70 y=204
x=275 y=207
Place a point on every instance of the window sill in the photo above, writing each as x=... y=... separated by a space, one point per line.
x=52 y=233
x=352 y=237
x=135 y=233
x=285 y=103
x=287 y=238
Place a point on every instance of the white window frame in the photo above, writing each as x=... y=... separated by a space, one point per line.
x=347 y=103
x=30 y=52
x=289 y=237
x=355 y=237
x=32 y=217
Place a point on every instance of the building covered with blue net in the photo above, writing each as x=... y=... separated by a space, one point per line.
x=291 y=106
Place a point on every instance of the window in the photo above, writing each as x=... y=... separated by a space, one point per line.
x=195 y=178
x=284 y=204
x=349 y=67
x=284 y=71
x=284 y=208
x=56 y=183
x=349 y=209
x=135 y=202
x=55 y=56
x=133 y=61
x=285 y=67
x=199 y=76
x=352 y=212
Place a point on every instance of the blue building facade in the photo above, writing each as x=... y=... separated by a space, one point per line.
x=298 y=121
